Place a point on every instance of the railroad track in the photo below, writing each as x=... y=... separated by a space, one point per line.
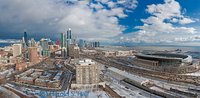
x=161 y=75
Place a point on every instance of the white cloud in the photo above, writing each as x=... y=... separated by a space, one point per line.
x=97 y=6
x=159 y=27
x=186 y=21
x=104 y=1
x=169 y=9
x=129 y=4
x=55 y=16
x=118 y=12
x=111 y=4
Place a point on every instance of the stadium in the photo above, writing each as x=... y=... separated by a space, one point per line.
x=164 y=59
x=166 y=62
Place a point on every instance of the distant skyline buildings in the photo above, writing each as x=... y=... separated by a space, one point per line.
x=69 y=33
x=63 y=40
x=58 y=42
x=81 y=43
x=23 y=43
x=33 y=54
x=17 y=49
x=69 y=40
x=95 y=44
x=26 y=38
x=44 y=44
x=110 y=21
x=45 y=50
x=74 y=51
x=32 y=43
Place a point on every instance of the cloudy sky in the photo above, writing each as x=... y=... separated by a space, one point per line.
x=112 y=21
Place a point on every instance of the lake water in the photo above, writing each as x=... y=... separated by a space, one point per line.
x=194 y=51
x=5 y=44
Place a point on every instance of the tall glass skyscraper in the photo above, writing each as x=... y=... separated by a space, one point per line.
x=63 y=40
x=44 y=43
x=26 y=38
x=69 y=34
x=69 y=38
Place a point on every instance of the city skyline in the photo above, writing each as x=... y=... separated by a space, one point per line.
x=160 y=22
x=99 y=49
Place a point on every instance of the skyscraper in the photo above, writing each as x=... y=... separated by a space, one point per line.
x=74 y=51
x=69 y=34
x=69 y=37
x=81 y=43
x=23 y=43
x=58 y=42
x=17 y=49
x=96 y=44
x=26 y=38
x=32 y=42
x=87 y=72
x=63 y=40
x=44 y=43
x=33 y=55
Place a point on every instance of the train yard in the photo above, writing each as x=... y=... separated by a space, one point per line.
x=187 y=83
x=122 y=65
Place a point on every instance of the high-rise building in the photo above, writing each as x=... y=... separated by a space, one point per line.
x=74 y=51
x=17 y=50
x=33 y=54
x=98 y=44
x=44 y=43
x=26 y=38
x=32 y=43
x=40 y=50
x=23 y=43
x=46 y=53
x=69 y=34
x=69 y=39
x=64 y=52
x=93 y=44
x=87 y=72
x=53 y=48
x=63 y=40
x=57 y=42
x=81 y=43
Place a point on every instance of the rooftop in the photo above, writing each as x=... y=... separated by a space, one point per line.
x=86 y=62
x=164 y=56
